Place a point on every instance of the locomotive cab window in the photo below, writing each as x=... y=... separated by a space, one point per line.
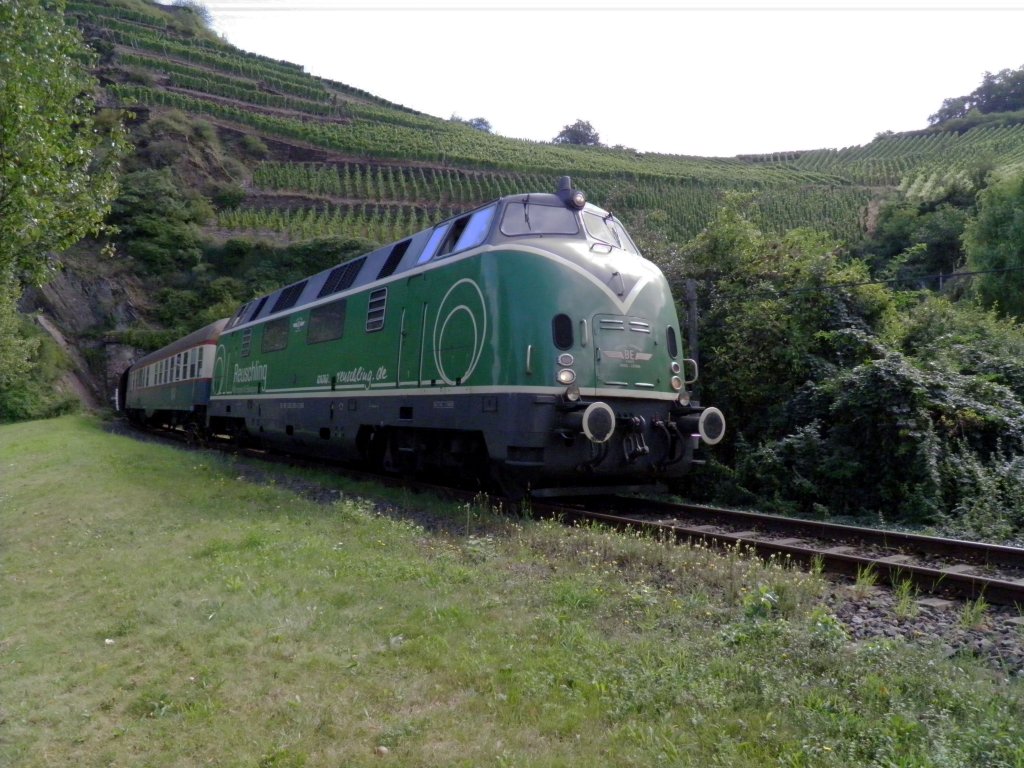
x=607 y=230
x=528 y=218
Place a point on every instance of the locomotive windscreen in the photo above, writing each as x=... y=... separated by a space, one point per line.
x=528 y=218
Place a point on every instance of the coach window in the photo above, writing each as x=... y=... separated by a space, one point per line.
x=192 y=363
x=326 y=322
x=275 y=335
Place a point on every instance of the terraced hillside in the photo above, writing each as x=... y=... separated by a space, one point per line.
x=345 y=162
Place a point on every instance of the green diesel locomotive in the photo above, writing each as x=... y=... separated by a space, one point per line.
x=527 y=340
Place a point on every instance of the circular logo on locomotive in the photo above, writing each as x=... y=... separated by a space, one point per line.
x=460 y=329
x=218 y=370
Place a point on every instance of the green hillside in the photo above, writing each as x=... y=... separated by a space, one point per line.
x=349 y=163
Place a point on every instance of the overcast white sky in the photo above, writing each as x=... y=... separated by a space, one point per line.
x=675 y=77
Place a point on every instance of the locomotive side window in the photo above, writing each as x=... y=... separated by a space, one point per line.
x=259 y=308
x=475 y=229
x=326 y=322
x=237 y=318
x=561 y=331
x=528 y=218
x=375 y=310
x=275 y=335
x=394 y=258
x=435 y=240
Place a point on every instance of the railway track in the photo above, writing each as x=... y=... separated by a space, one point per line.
x=934 y=565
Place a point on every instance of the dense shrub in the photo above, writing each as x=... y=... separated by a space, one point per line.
x=158 y=221
x=845 y=397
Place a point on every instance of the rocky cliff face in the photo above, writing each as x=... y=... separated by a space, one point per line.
x=80 y=308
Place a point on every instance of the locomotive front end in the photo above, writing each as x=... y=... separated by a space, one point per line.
x=598 y=320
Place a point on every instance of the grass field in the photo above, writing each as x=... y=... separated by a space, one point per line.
x=161 y=608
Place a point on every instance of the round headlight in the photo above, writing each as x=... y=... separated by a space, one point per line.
x=566 y=376
x=565 y=359
x=677 y=383
x=675 y=367
x=572 y=394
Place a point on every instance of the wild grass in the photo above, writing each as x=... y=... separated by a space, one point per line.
x=159 y=607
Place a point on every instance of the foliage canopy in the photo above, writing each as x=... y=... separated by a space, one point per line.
x=999 y=92
x=847 y=397
x=57 y=161
x=994 y=241
x=581 y=133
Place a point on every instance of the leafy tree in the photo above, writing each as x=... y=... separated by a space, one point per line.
x=994 y=241
x=915 y=240
x=1000 y=92
x=15 y=350
x=581 y=133
x=198 y=10
x=57 y=169
x=479 y=123
x=57 y=161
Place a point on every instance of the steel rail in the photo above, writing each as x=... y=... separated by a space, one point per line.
x=839 y=560
x=981 y=553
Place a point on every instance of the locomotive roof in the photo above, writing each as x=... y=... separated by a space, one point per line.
x=390 y=259
x=208 y=334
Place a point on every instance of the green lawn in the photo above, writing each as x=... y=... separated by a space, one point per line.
x=159 y=609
